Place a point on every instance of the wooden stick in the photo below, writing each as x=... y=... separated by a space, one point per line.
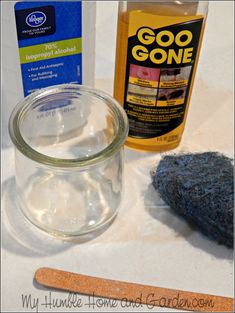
x=135 y=293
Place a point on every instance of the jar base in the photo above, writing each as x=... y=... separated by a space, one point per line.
x=79 y=236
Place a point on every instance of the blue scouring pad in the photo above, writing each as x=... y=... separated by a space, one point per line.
x=199 y=187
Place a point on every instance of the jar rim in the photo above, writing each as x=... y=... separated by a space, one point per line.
x=31 y=153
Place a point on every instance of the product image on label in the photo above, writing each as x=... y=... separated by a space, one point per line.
x=171 y=96
x=175 y=77
x=144 y=76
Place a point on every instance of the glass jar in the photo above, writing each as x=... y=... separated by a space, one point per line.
x=68 y=158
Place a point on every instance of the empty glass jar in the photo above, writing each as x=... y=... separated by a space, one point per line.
x=69 y=158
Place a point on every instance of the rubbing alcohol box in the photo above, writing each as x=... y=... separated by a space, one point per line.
x=53 y=40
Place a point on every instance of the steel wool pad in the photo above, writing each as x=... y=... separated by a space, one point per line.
x=199 y=187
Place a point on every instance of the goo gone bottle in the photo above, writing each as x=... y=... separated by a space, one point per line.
x=158 y=46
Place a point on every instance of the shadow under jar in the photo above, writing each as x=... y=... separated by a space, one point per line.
x=69 y=158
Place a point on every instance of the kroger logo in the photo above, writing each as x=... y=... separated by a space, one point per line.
x=36 y=19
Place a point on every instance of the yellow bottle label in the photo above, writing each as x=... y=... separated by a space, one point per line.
x=161 y=57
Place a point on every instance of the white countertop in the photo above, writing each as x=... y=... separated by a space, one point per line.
x=146 y=243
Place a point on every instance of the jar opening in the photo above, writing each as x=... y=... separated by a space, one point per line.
x=68 y=125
